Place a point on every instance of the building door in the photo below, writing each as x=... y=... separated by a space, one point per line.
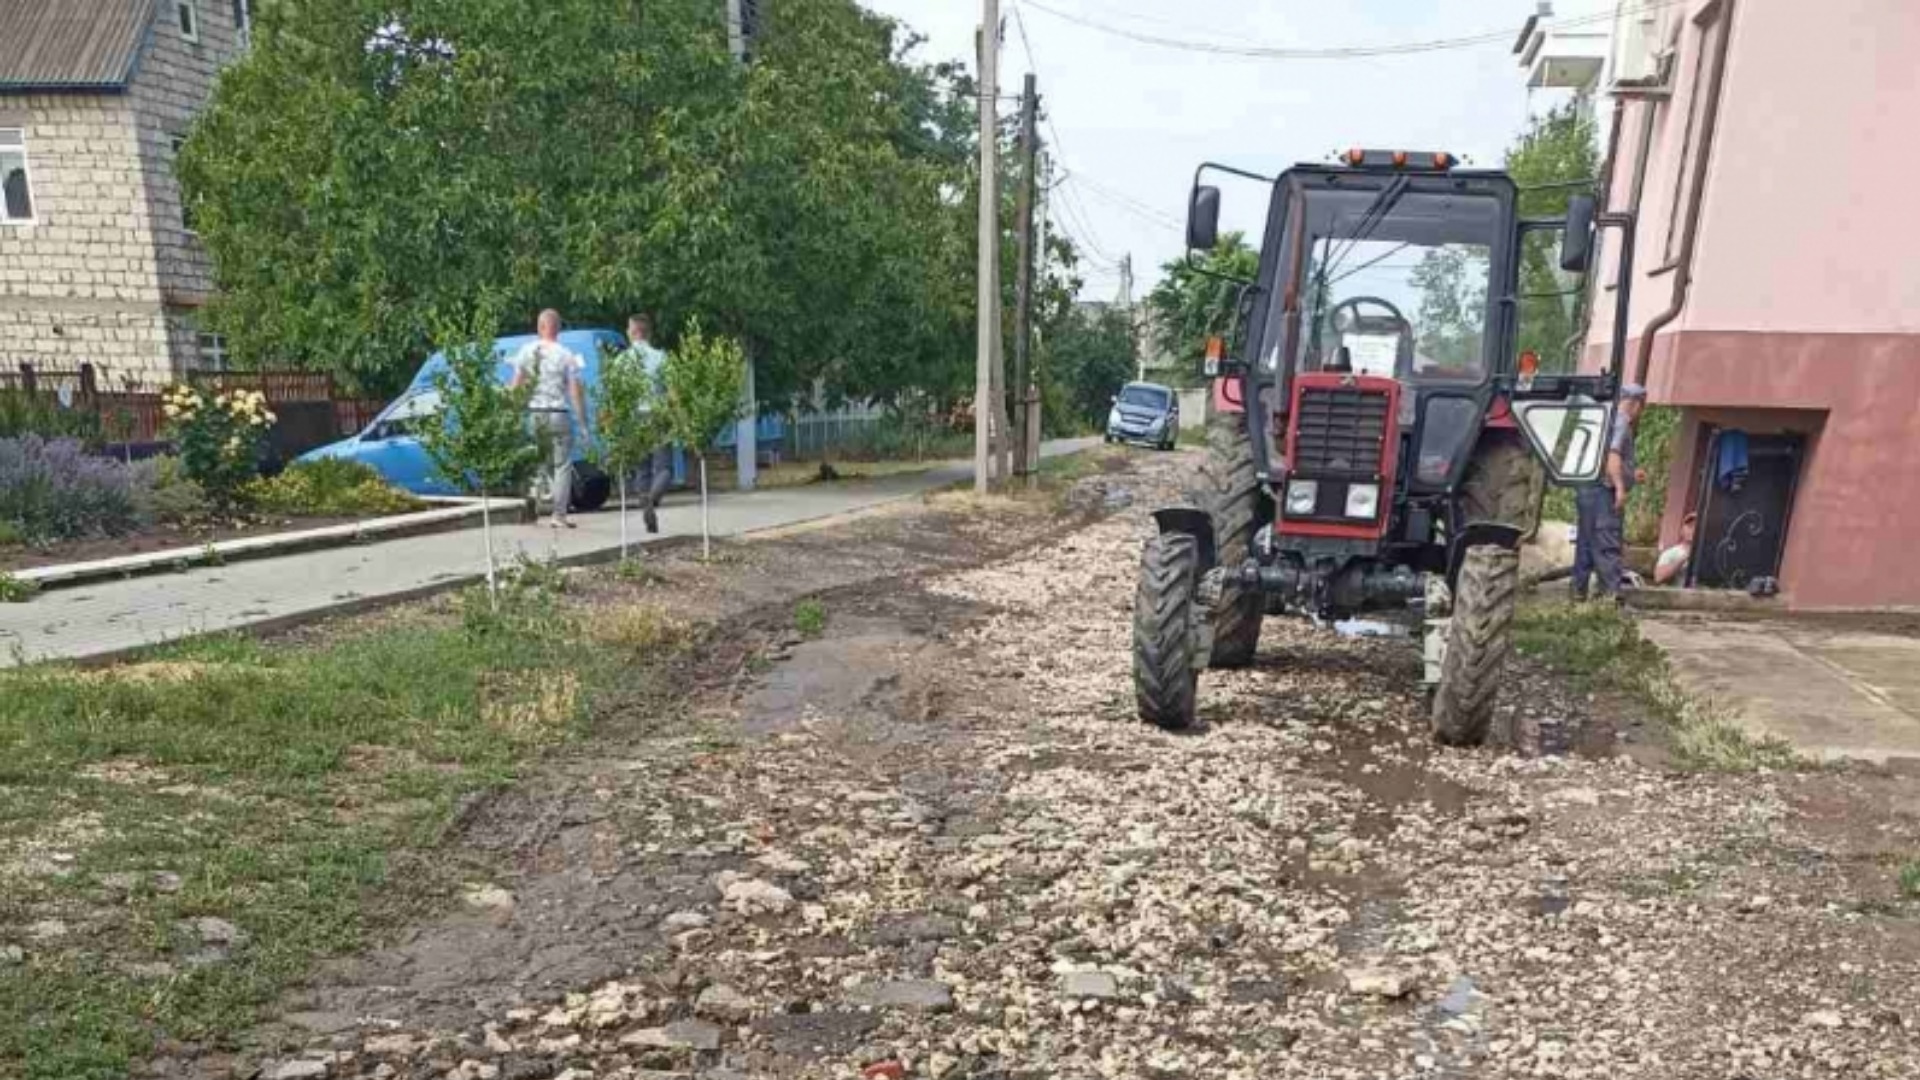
x=1743 y=514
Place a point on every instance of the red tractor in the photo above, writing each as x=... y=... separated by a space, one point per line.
x=1379 y=441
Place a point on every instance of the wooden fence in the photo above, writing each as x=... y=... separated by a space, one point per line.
x=312 y=410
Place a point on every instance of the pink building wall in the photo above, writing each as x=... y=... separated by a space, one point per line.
x=1804 y=312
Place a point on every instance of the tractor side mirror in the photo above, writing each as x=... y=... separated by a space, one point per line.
x=1203 y=218
x=1576 y=244
x=1570 y=437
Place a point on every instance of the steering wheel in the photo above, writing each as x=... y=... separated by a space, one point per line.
x=1345 y=318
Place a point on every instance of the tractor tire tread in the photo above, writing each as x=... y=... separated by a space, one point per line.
x=1228 y=489
x=1164 y=681
x=1478 y=640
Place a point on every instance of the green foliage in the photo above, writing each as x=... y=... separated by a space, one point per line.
x=328 y=487
x=1910 y=880
x=1090 y=360
x=166 y=494
x=624 y=419
x=1453 y=301
x=1652 y=451
x=32 y=414
x=1189 y=306
x=810 y=618
x=15 y=591
x=699 y=389
x=479 y=440
x=218 y=435
x=368 y=163
x=1557 y=147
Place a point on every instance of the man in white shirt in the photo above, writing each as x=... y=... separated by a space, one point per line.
x=1671 y=569
x=656 y=471
x=554 y=370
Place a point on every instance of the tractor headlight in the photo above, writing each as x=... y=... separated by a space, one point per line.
x=1302 y=495
x=1363 y=501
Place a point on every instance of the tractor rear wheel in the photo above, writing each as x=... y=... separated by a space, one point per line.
x=1164 y=679
x=1230 y=492
x=1477 y=644
x=1504 y=483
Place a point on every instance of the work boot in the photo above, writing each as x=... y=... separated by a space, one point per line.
x=652 y=520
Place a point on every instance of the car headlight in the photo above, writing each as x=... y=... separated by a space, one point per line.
x=1363 y=501
x=1301 y=497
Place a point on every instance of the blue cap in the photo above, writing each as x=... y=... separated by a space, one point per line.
x=1633 y=390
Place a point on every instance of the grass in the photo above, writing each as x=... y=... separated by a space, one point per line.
x=1910 y=880
x=297 y=791
x=1599 y=646
x=810 y=618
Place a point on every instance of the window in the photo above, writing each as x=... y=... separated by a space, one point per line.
x=213 y=352
x=189 y=16
x=186 y=208
x=16 y=188
x=1710 y=27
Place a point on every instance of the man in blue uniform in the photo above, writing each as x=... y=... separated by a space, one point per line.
x=1598 y=536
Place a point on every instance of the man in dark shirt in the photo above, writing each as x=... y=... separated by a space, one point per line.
x=1598 y=538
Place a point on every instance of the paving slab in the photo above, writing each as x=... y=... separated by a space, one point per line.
x=1832 y=692
x=111 y=618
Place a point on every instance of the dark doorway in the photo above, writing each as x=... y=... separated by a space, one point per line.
x=1742 y=528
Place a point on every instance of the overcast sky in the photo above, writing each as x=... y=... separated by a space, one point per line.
x=1133 y=120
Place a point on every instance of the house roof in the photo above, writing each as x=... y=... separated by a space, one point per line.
x=71 y=44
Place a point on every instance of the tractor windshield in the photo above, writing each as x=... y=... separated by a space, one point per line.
x=1395 y=281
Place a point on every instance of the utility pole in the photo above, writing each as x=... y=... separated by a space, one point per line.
x=988 y=316
x=742 y=21
x=1126 y=304
x=1023 y=282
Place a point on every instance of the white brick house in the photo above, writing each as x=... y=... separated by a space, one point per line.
x=97 y=262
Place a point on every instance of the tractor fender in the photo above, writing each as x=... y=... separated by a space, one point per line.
x=1190 y=522
x=1476 y=535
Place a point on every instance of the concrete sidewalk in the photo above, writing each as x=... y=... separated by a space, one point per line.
x=1830 y=689
x=101 y=620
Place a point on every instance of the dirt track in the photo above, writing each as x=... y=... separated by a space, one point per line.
x=934 y=842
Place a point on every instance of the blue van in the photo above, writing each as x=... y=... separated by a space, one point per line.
x=392 y=447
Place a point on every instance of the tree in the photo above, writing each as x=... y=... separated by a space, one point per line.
x=1189 y=306
x=628 y=426
x=698 y=395
x=1089 y=359
x=369 y=164
x=1557 y=150
x=479 y=439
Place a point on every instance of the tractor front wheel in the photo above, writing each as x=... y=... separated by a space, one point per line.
x=1229 y=490
x=1164 y=679
x=1476 y=645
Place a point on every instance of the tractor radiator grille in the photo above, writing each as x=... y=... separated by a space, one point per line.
x=1339 y=432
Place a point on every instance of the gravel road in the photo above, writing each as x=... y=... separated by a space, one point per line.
x=934 y=842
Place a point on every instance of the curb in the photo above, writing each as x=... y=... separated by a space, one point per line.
x=464 y=515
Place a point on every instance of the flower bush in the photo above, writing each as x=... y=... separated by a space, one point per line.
x=53 y=489
x=218 y=436
x=329 y=487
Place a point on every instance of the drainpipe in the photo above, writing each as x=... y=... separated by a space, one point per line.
x=1696 y=187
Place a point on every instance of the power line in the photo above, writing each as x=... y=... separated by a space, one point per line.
x=1127 y=203
x=1345 y=52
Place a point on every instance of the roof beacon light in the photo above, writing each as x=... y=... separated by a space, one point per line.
x=1399 y=159
x=1442 y=160
x=1356 y=157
